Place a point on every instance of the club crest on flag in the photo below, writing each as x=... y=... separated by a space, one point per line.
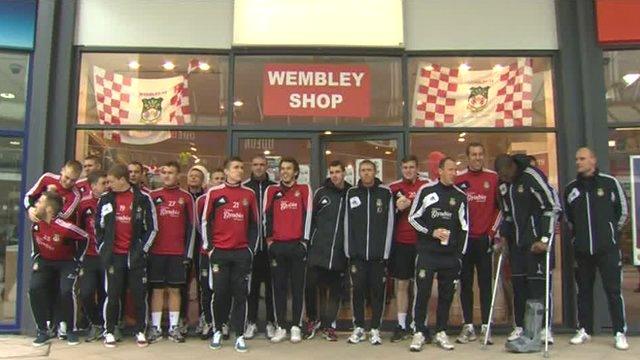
x=478 y=98
x=151 y=110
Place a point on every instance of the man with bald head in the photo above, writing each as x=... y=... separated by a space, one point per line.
x=596 y=208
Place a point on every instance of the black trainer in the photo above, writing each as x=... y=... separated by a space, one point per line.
x=42 y=338
x=399 y=334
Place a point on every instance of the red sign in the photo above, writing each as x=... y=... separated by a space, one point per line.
x=618 y=21
x=316 y=90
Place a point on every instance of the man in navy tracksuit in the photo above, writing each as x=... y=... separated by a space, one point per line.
x=368 y=233
x=596 y=208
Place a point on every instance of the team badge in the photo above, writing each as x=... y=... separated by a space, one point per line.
x=600 y=192
x=111 y=270
x=81 y=272
x=486 y=185
x=520 y=188
x=354 y=269
x=159 y=201
x=324 y=201
x=274 y=263
x=181 y=201
x=35 y=266
x=89 y=212
x=245 y=202
x=144 y=279
x=215 y=268
x=36 y=227
x=452 y=201
x=297 y=193
x=478 y=98
x=56 y=238
x=204 y=273
x=422 y=274
x=151 y=110
x=379 y=206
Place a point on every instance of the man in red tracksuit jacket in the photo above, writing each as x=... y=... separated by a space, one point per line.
x=481 y=187
x=172 y=250
x=403 y=249
x=287 y=218
x=90 y=164
x=230 y=230
x=91 y=275
x=55 y=257
x=63 y=184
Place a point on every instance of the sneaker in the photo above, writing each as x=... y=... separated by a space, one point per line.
x=183 y=328
x=279 y=335
x=356 y=336
x=250 y=331
x=200 y=325
x=312 y=328
x=516 y=333
x=216 y=341
x=225 y=332
x=399 y=334
x=95 y=333
x=621 y=342
x=175 y=335
x=467 y=334
x=330 y=334
x=483 y=332
x=296 y=334
x=580 y=337
x=117 y=333
x=270 y=331
x=417 y=342
x=443 y=341
x=155 y=334
x=141 y=340
x=374 y=337
x=72 y=338
x=42 y=338
x=207 y=331
x=549 y=335
x=240 y=345
x=62 y=331
x=109 y=340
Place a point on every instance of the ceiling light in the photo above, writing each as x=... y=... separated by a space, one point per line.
x=168 y=65
x=197 y=161
x=458 y=163
x=266 y=152
x=134 y=65
x=328 y=132
x=204 y=66
x=612 y=143
x=461 y=139
x=387 y=152
x=631 y=78
x=462 y=134
x=194 y=149
x=464 y=67
x=327 y=152
x=7 y=95
x=498 y=67
x=14 y=142
x=428 y=67
x=238 y=103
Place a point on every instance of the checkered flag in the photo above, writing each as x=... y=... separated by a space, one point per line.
x=515 y=99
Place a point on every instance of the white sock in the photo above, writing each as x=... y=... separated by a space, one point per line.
x=174 y=317
x=402 y=320
x=156 y=319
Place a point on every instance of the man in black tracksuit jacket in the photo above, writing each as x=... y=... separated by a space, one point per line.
x=596 y=209
x=530 y=207
x=441 y=217
x=327 y=261
x=368 y=233
x=126 y=226
x=258 y=182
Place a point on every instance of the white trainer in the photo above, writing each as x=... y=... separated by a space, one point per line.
x=467 y=334
x=271 y=330
x=417 y=342
x=356 y=336
x=279 y=335
x=621 y=341
x=443 y=341
x=374 y=337
x=516 y=333
x=251 y=331
x=580 y=337
x=296 y=334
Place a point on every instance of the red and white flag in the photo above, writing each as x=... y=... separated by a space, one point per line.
x=123 y=100
x=453 y=97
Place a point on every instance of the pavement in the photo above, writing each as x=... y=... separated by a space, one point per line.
x=19 y=347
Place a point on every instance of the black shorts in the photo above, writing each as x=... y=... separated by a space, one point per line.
x=525 y=263
x=166 y=270
x=402 y=262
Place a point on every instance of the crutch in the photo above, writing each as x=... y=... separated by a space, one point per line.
x=493 y=301
x=546 y=304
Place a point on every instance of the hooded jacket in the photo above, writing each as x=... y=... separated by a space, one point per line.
x=368 y=223
x=326 y=247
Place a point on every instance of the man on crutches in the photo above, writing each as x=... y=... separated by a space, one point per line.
x=530 y=211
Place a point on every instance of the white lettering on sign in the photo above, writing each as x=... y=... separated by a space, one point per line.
x=312 y=101
x=315 y=78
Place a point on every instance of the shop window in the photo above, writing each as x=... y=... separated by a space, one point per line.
x=154 y=148
x=622 y=81
x=14 y=68
x=481 y=92
x=317 y=90
x=153 y=89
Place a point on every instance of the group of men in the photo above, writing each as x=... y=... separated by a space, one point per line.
x=109 y=233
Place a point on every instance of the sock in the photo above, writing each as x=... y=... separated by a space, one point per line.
x=174 y=317
x=402 y=320
x=156 y=319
